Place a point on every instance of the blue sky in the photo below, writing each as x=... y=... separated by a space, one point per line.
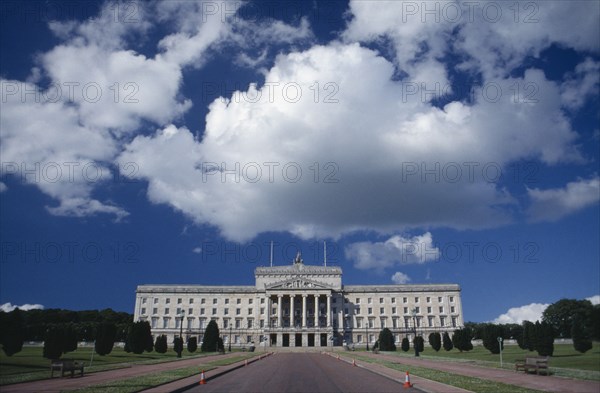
x=170 y=142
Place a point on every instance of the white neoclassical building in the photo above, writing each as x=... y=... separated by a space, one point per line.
x=300 y=305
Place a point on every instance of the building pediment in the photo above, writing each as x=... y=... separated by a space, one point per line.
x=297 y=283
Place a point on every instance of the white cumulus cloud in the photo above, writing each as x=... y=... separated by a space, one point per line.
x=553 y=204
x=397 y=250
x=530 y=312
x=594 y=299
x=8 y=307
x=400 y=278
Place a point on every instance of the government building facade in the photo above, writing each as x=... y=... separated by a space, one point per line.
x=300 y=305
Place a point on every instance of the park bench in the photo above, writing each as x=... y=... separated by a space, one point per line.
x=64 y=366
x=536 y=364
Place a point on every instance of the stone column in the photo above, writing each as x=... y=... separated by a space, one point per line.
x=291 y=309
x=304 y=311
x=316 y=310
x=328 y=311
x=268 y=321
x=279 y=301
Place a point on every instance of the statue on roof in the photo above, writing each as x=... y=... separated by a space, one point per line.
x=298 y=259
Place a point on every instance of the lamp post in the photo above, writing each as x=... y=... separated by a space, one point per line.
x=230 y=337
x=414 y=315
x=181 y=315
x=367 y=331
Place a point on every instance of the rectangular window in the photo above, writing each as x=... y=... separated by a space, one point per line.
x=442 y=321
x=404 y=300
x=167 y=301
x=381 y=300
x=370 y=310
x=453 y=321
x=214 y=311
x=143 y=310
x=155 y=310
x=370 y=323
x=202 y=301
x=190 y=311
x=238 y=311
x=250 y=311
x=250 y=301
x=154 y=323
x=226 y=311
x=202 y=311
x=452 y=309
x=441 y=309
x=225 y=323
x=428 y=299
x=359 y=323
x=177 y=323
x=226 y=301
x=335 y=310
x=417 y=299
x=250 y=323
x=167 y=311
x=190 y=321
x=439 y=299
x=262 y=323
x=165 y=323
x=238 y=301
x=191 y=301
x=405 y=310
x=382 y=321
x=262 y=301
x=369 y=300
x=393 y=300
x=395 y=323
x=451 y=299
x=238 y=323
x=393 y=310
x=381 y=310
x=406 y=322
x=418 y=310
x=155 y=300
x=359 y=338
x=143 y=300
x=262 y=311
x=428 y=310
x=179 y=301
x=357 y=310
x=430 y=321
x=357 y=300
x=214 y=301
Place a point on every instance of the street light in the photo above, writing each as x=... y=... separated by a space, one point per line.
x=229 y=337
x=414 y=315
x=367 y=327
x=181 y=314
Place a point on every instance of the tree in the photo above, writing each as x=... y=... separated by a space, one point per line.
x=581 y=340
x=491 y=333
x=461 y=339
x=405 y=344
x=105 y=338
x=446 y=342
x=419 y=343
x=560 y=315
x=178 y=345
x=192 y=344
x=544 y=343
x=54 y=343
x=595 y=323
x=528 y=341
x=386 y=340
x=435 y=340
x=12 y=331
x=211 y=338
x=70 y=340
x=139 y=337
x=160 y=345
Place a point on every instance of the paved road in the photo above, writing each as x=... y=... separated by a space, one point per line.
x=300 y=373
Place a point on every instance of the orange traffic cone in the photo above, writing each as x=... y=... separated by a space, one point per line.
x=202 y=378
x=407 y=383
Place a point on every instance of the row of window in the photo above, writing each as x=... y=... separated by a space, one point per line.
x=238 y=323
x=286 y=312
x=428 y=300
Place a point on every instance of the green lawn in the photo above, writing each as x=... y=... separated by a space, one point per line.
x=30 y=365
x=564 y=356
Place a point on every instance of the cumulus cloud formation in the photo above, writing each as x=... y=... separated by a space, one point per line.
x=8 y=307
x=553 y=204
x=293 y=153
x=594 y=299
x=400 y=278
x=530 y=312
x=397 y=250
